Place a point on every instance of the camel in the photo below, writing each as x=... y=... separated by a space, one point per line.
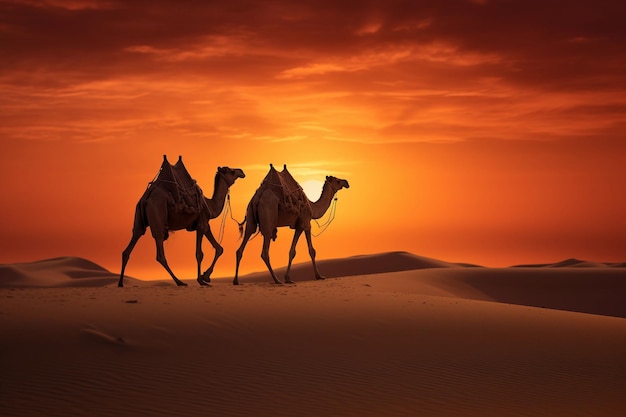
x=156 y=210
x=265 y=212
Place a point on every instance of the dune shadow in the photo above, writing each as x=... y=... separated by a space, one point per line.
x=584 y=290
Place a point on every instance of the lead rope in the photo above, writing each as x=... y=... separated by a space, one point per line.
x=331 y=217
x=227 y=209
x=220 y=235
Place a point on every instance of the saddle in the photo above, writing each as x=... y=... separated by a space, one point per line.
x=290 y=194
x=185 y=194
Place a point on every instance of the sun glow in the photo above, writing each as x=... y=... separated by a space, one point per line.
x=312 y=189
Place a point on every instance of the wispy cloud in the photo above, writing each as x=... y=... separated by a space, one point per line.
x=437 y=52
x=315 y=69
x=204 y=48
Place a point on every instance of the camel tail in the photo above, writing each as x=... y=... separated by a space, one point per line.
x=241 y=227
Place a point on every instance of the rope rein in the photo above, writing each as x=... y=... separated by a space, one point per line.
x=227 y=208
x=324 y=226
x=220 y=234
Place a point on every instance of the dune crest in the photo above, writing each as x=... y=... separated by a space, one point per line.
x=358 y=265
x=67 y=271
x=573 y=263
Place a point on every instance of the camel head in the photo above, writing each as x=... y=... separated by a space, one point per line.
x=336 y=183
x=230 y=175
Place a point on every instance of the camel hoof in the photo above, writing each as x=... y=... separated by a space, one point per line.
x=181 y=284
x=320 y=278
x=203 y=282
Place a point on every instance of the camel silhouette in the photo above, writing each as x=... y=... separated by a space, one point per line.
x=175 y=202
x=280 y=202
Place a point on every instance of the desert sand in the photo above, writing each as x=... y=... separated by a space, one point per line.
x=392 y=334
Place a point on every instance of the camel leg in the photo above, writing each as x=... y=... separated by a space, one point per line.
x=265 y=255
x=242 y=247
x=126 y=255
x=161 y=259
x=309 y=242
x=206 y=277
x=199 y=256
x=292 y=254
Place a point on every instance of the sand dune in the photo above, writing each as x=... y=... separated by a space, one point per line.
x=573 y=263
x=66 y=271
x=431 y=339
x=589 y=290
x=355 y=265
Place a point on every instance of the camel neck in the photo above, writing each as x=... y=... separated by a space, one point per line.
x=320 y=206
x=216 y=202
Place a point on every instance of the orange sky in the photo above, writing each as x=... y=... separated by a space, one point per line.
x=489 y=132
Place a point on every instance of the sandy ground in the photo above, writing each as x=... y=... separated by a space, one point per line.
x=429 y=339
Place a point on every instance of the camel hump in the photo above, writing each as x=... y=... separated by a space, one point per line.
x=290 y=194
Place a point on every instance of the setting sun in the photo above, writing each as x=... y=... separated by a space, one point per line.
x=312 y=188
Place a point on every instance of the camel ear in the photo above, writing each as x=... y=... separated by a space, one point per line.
x=327 y=177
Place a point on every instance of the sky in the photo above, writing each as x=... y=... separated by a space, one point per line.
x=489 y=132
